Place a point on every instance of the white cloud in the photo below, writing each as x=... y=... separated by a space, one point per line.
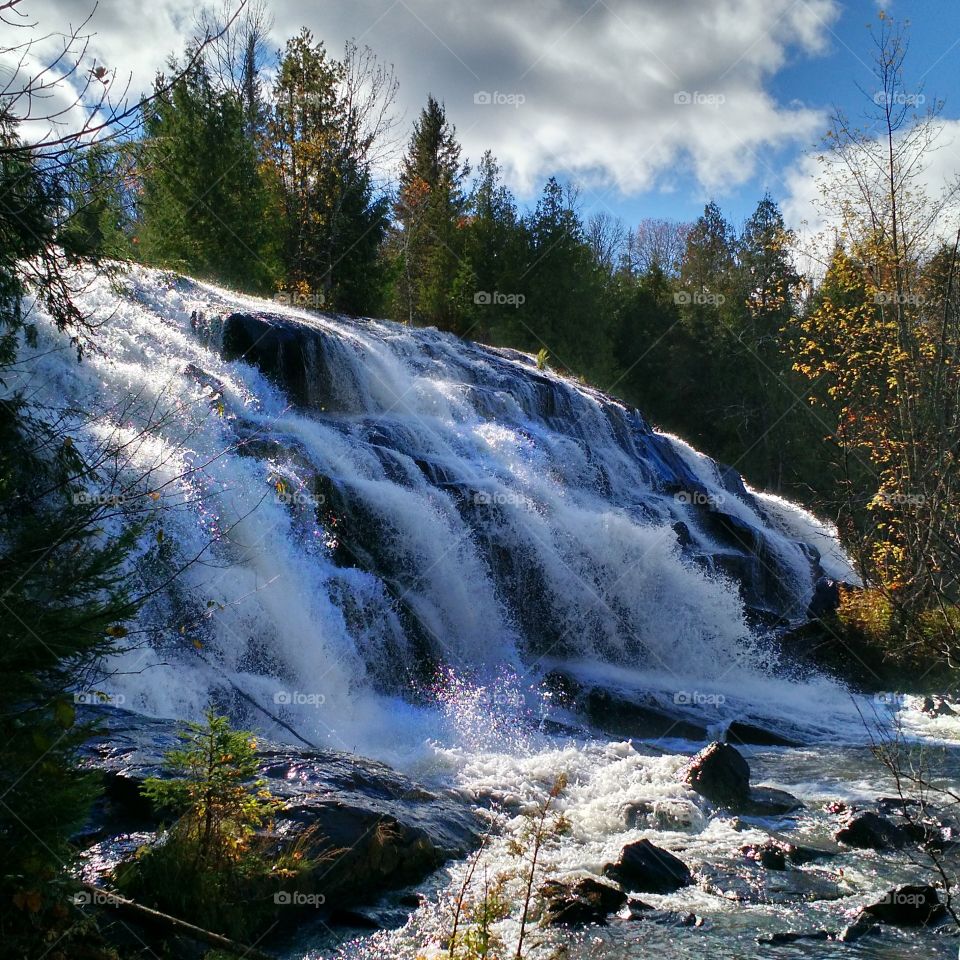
x=597 y=81
x=937 y=172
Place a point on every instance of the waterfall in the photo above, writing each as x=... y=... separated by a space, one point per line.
x=371 y=503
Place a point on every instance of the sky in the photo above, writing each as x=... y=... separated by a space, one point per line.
x=653 y=107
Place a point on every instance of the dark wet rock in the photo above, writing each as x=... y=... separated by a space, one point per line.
x=790 y=936
x=826 y=598
x=355 y=919
x=627 y=717
x=587 y=901
x=639 y=910
x=646 y=868
x=564 y=688
x=379 y=829
x=720 y=773
x=896 y=805
x=771 y=854
x=870 y=831
x=770 y=802
x=937 y=707
x=743 y=733
x=753 y=884
x=910 y=905
x=810 y=851
x=859 y=929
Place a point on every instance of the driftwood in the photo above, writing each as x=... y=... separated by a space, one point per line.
x=150 y=917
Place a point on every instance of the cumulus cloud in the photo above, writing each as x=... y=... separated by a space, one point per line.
x=938 y=170
x=619 y=93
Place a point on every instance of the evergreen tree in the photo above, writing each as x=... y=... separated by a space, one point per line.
x=768 y=285
x=494 y=248
x=204 y=207
x=333 y=219
x=567 y=310
x=430 y=211
x=63 y=593
x=97 y=205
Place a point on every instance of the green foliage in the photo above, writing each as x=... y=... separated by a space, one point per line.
x=473 y=934
x=333 y=220
x=205 y=207
x=97 y=204
x=429 y=210
x=211 y=866
x=64 y=595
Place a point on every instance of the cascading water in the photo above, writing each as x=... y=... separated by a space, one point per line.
x=370 y=503
x=388 y=539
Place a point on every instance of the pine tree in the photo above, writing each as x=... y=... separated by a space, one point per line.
x=767 y=289
x=494 y=248
x=205 y=208
x=430 y=210
x=63 y=595
x=333 y=218
x=567 y=310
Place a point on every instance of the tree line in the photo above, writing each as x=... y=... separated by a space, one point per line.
x=276 y=188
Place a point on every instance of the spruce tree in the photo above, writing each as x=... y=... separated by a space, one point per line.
x=205 y=208
x=430 y=210
x=334 y=219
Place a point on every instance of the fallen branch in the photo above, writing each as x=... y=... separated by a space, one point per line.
x=150 y=917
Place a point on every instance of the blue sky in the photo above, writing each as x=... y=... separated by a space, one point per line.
x=828 y=80
x=588 y=89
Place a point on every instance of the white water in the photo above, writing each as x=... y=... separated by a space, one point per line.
x=449 y=450
x=572 y=494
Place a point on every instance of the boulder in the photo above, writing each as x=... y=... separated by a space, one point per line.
x=825 y=599
x=720 y=773
x=870 y=831
x=588 y=901
x=910 y=905
x=627 y=717
x=749 y=734
x=638 y=910
x=645 y=868
x=859 y=929
x=770 y=802
x=771 y=854
x=791 y=936
x=937 y=707
x=375 y=828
